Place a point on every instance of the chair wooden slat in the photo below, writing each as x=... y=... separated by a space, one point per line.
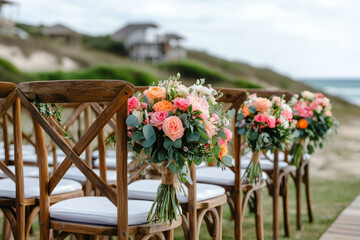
x=73 y=91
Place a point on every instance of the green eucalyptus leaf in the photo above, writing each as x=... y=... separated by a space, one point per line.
x=148 y=131
x=132 y=121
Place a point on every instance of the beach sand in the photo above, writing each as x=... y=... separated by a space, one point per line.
x=340 y=156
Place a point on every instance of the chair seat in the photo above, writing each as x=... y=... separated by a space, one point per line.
x=147 y=190
x=217 y=176
x=29 y=171
x=98 y=210
x=32 y=189
x=75 y=174
x=265 y=164
x=111 y=161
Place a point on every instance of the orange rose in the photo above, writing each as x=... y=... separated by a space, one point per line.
x=262 y=104
x=245 y=111
x=155 y=93
x=224 y=151
x=163 y=106
x=302 y=123
x=173 y=128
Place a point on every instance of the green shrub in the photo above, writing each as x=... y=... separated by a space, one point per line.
x=193 y=69
x=106 y=44
x=245 y=83
x=5 y=64
x=130 y=74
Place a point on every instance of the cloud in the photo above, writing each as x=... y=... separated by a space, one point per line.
x=299 y=37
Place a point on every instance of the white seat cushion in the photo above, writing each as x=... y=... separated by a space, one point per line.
x=31 y=187
x=98 y=210
x=75 y=174
x=111 y=161
x=108 y=153
x=265 y=164
x=217 y=176
x=147 y=190
x=29 y=171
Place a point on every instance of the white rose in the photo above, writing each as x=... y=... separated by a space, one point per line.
x=139 y=115
x=308 y=95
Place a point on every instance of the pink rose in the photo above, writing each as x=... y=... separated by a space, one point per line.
x=260 y=118
x=271 y=122
x=228 y=134
x=277 y=100
x=328 y=114
x=278 y=121
x=173 y=128
x=215 y=116
x=320 y=95
x=133 y=104
x=221 y=141
x=158 y=118
x=144 y=105
x=288 y=115
x=199 y=104
x=211 y=129
x=181 y=103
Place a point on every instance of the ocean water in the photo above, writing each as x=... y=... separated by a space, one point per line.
x=348 y=89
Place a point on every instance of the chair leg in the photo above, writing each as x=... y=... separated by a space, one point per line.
x=307 y=188
x=169 y=235
x=285 y=206
x=298 y=197
x=220 y=212
x=259 y=214
x=7 y=233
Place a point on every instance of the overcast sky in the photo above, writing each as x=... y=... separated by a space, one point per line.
x=301 y=38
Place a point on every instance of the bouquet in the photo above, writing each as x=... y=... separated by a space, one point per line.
x=176 y=126
x=267 y=125
x=314 y=121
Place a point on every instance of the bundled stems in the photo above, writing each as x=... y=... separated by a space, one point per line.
x=298 y=152
x=253 y=171
x=166 y=206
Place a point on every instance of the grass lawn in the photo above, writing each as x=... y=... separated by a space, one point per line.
x=329 y=198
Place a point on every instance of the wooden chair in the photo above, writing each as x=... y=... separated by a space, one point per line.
x=19 y=195
x=209 y=207
x=82 y=216
x=278 y=175
x=228 y=179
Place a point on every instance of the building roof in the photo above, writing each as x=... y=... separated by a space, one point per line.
x=6 y=2
x=171 y=36
x=59 y=29
x=123 y=33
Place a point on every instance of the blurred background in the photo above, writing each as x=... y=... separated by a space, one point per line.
x=293 y=45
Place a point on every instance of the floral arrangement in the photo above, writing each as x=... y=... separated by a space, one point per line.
x=176 y=126
x=314 y=121
x=267 y=125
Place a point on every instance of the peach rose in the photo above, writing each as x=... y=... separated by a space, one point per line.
x=155 y=93
x=262 y=104
x=173 y=128
x=211 y=129
x=164 y=106
x=223 y=151
x=245 y=111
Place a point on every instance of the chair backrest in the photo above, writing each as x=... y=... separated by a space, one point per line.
x=9 y=99
x=115 y=94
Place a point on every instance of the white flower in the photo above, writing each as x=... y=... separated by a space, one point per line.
x=139 y=115
x=199 y=90
x=308 y=95
x=182 y=90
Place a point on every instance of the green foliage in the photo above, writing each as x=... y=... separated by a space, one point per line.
x=192 y=69
x=133 y=75
x=245 y=83
x=8 y=66
x=106 y=44
x=9 y=73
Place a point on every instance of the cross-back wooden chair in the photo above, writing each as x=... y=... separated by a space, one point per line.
x=231 y=178
x=208 y=207
x=278 y=173
x=19 y=195
x=84 y=216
